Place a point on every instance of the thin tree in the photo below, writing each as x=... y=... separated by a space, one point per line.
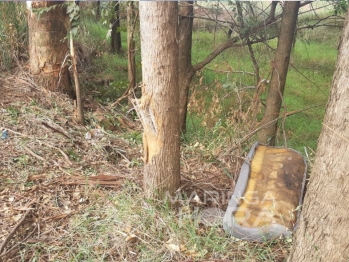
x=279 y=73
x=158 y=106
x=115 y=38
x=98 y=10
x=131 y=49
x=322 y=233
x=48 y=46
x=132 y=17
x=79 y=109
x=186 y=70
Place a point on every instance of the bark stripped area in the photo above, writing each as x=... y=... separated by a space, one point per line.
x=48 y=46
x=322 y=234
x=158 y=106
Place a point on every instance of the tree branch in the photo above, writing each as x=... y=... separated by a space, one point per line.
x=271 y=19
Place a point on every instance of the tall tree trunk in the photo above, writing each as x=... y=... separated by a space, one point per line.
x=322 y=233
x=131 y=49
x=158 y=106
x=280 y=67
x=115 y=30
x=48 y=47
x=186 y=70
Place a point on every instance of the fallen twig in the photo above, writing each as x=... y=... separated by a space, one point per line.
x=33 y=154
x=16 y=245
x=20 y=222
x=60 y=150
x=54 y=129
x=94 y=180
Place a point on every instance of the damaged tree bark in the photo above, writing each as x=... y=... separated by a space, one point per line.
x=48 y=46
x=158 y=106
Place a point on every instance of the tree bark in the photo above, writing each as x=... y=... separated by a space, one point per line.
x=322 y=233
x=279 y=74
x=158 y=106
x=115 y=39
x=48 y=47
x=186 y=70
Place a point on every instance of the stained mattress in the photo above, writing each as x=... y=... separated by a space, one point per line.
x=268 y=194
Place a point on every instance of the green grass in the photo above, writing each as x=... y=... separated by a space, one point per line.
x=106 y=74
x=127 y=227
x=308 y=83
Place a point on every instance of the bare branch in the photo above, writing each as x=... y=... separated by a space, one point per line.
x=270 y=20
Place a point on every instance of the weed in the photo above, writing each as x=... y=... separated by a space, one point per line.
x=133 y=137
x=73 y=155
x=13 y=112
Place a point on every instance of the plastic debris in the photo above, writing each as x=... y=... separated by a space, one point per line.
x=4 y=134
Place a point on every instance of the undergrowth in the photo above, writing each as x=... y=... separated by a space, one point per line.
x=127 y=227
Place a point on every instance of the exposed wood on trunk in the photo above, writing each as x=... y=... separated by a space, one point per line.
x=48 y=47
x=158 y=106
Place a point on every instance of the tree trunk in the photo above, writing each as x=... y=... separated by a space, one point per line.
x=115 y=30
x=98 y=10
x=131 y=49
x=280 y=67
x=158 y=106
x=48 y=47
x=322 y=233
x=79 y=109
x=186 y=70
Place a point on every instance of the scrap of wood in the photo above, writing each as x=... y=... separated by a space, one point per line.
x=55 y=129
x=60 y=216
x=60 y=150
x=36 y=177
x=33 y=154
x=94 y=180
x=20 y=222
